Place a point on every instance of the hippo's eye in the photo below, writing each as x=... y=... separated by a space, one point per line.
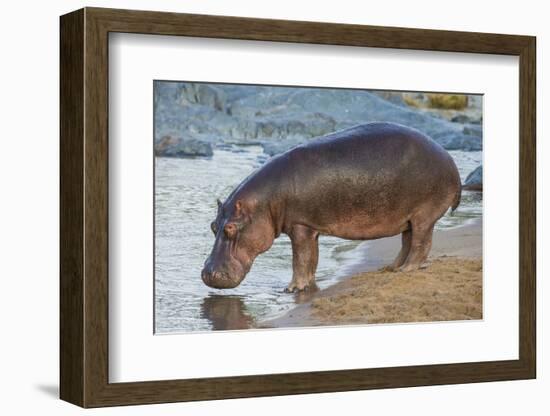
x=214 y=227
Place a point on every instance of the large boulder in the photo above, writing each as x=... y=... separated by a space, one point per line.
x=474 y=181
x=324 y=111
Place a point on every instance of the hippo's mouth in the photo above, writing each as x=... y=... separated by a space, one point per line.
x=220 y=280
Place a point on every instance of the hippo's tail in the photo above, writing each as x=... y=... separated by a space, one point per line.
x=456 y=201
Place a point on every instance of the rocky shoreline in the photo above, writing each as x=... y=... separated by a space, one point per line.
x=193 y=119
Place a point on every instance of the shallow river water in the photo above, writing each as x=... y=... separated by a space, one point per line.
x=185 y=204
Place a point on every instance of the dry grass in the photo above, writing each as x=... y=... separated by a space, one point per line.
x=448 y=101
x=411 y=101
x=449 y=289
x=436 y=101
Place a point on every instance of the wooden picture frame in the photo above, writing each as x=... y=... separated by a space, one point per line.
x=84 y=207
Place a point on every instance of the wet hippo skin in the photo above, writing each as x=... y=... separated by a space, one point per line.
x=370 y=181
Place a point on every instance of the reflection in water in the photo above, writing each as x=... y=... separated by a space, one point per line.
x=226 y=312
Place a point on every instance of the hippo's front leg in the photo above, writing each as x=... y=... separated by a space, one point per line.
x=305 y=254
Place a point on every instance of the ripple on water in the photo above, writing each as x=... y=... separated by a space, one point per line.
x=185 y=204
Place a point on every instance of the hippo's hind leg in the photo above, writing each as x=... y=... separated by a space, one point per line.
x=406 y=237
x=421 y=243
x=305 y=255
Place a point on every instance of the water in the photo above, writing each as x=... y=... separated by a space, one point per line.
x=185 y=204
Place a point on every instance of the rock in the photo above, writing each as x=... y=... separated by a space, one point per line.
x=305 y=125
x=350 y=107
x=170 y=146
x=415 y=99
x=397 y=98
x=204 y=94
x=286 y=116
x=461 y=141
x=473 y=130
x=274 y=147
x=474 y=181
x=475 y=101
x=466 y=119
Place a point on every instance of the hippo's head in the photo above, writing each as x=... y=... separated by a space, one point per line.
x=243 y=230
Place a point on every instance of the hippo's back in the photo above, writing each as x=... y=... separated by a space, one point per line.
x=371 y=170
x=373 y=140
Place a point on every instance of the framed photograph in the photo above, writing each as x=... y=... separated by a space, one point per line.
x=256 y=207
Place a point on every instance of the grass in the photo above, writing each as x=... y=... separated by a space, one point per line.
x=448 y=101
x=436 y=101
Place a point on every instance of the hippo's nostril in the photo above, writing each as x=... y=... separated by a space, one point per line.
x=211 y=277
x=220 y=279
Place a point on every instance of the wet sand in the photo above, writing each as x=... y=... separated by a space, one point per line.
x=448 y=289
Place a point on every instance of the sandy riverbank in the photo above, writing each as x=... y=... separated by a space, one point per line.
x=450 y=288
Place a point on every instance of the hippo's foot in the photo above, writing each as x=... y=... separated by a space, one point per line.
x=408 y=268
x=414 y=267
x=295 y=287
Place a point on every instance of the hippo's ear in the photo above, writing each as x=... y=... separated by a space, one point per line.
x=219 y=203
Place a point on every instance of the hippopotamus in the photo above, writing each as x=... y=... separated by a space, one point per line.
x=366 y=182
